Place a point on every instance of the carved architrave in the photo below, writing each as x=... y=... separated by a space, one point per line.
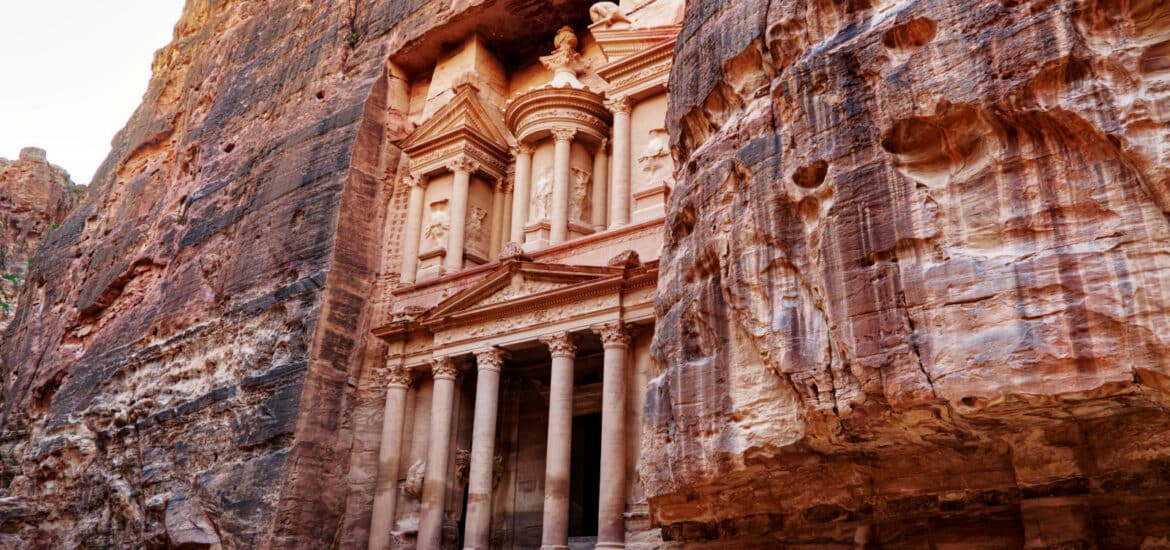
x=538 y=113
x=642 y=72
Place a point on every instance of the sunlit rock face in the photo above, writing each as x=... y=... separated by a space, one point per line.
x=35 y=197
x=913 y=290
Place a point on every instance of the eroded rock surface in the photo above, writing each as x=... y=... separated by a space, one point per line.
x=35 y=197
x=914 y=289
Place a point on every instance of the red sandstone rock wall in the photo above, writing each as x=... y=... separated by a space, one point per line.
x=35 y=197
x=915 y=284
x=190 y=361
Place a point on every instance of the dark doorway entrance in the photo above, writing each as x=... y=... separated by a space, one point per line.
x=584 y=482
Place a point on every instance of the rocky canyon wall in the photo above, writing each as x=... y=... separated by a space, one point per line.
x=914 y=289
x=35 y=197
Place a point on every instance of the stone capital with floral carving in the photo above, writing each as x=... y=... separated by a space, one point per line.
x=491 y=359
x=463 y=164
x=523 y=149
x=621 y=104
x=415 y=180
x=397 y=377
x=564 y=134
x=614 y=334
x=561 y=344
x=442 y=368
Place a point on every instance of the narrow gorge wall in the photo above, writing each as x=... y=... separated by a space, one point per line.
x=35 y=197
x=914 y=289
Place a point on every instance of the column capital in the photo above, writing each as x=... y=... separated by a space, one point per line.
x=523 y=149
x=442 y=368
x=620 y=104
x=463 y=164
x=561 y=344
x=490 y=359
x=397 y=378
x=415 y=180
x=505 y=184
x=564 y=134
x=601 y=146
x=613 y=334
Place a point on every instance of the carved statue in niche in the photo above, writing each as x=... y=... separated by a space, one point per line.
x=579 y=201
x=477 y=236
x=607 y=14
x=655 y=160
x=413 y=485
x=438 y=224
x=542 y=196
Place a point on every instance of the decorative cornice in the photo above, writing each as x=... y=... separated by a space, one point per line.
x=560 y=344
x=442 y=368
x=535 y=114
x=491 y=359
x=614 y=335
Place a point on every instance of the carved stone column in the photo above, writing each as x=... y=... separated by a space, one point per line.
x=413 y=229
x=555 y=534
x=523 y=192
x=600 y=187
x=562 y=162
x=506 y=217
x=456 y=237
x=430 y=529
x=389 y=460
x=619 y=197
x=611 y=529
x=496 y=218
x=483 y=450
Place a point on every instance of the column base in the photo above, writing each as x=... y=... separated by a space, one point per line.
x=554 y=547
x=609 y=545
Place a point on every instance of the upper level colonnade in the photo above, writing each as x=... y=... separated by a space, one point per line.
x=538 y=154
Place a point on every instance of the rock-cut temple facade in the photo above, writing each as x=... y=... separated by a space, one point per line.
x=518 y=347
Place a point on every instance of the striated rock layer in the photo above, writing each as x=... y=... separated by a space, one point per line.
x=35 y=197
x=192 y=356
x=915 y=286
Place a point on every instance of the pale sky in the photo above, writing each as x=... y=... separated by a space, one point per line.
x=73 y=71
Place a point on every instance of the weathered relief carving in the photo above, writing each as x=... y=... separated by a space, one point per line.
x=462 y=465
x=438 y=224
x=579 y=204
x=607 y=14
x=542 y=196
x=478 y=235
x=655 y=161
x=414 y=479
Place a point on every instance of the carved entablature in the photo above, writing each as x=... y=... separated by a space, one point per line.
x=638 y=68
x=463 y=129
x=534 y=115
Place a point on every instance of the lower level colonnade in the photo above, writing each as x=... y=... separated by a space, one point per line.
x=446 y=372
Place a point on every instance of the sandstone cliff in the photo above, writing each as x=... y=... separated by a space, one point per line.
x=35 y=197
x=914 y=287
x=192 y=350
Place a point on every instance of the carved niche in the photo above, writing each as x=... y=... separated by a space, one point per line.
x=437 y=226
x=655 y=160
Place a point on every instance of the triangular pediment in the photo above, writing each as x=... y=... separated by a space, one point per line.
x=465 y=116
x=518 y=282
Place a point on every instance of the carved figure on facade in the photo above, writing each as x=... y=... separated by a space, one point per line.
x=438 y=224
x=607 y=14
x=462 y=465
x=565 y=62
x=655 y=159
x=477 y=235
x=413 y=486
x=579 y=203
x=542 y=196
